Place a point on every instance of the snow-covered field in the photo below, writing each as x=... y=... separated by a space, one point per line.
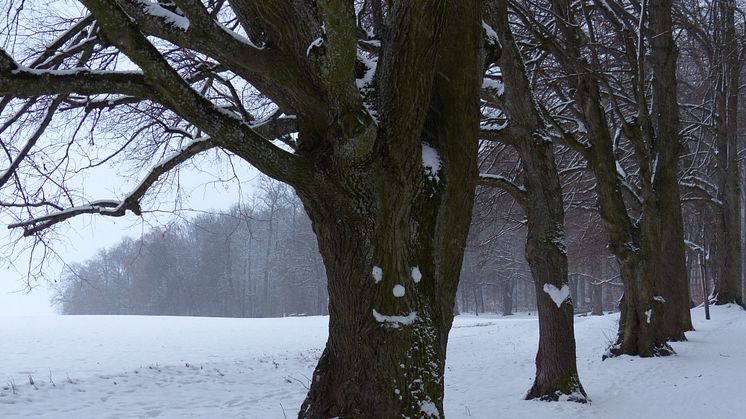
x=168 y=367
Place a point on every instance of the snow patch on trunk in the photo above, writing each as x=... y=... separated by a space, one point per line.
x=377 y=274
x=318 y=42
x=430 y=162
x=395 y=321
x=558 y=295
x=429 y=409
x=491 y=35
x=399 y=291
x=416 y=275
x=365 y=84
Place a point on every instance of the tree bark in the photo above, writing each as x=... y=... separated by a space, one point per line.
x=385 y=355
x=667 y=234
x=641 y=320
x=392 y=232
x=556 y=368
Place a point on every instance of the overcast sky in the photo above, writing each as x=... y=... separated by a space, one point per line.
x=201 y=185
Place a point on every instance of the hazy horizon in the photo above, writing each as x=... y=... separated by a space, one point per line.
x=81 y=237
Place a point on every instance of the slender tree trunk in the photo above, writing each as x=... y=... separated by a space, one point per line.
x=597 y=297
x=703 y=283
x=476 y=300
x=556 y=369
x=507 y=292
x=266 y=294
x=573 y=290
x=742 y=177
x=728 y=284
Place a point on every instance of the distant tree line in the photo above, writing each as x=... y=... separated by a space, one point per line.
x=258 y=259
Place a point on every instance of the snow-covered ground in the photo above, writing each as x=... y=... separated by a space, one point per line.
x=168 y=367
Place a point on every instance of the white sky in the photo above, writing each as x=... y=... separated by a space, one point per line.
x=81 y=237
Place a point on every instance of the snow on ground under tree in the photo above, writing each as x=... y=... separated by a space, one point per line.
x=170 y=367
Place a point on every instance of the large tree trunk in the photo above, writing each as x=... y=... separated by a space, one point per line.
x=641 y=329
x=668 y=233
x=392 y=231
x=638 y=333
x=393 y=260
x=640 y=324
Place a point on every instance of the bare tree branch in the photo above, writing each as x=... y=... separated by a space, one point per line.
x=496 y=181
x=114 y=208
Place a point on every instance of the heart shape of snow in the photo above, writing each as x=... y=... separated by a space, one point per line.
x=558 y=295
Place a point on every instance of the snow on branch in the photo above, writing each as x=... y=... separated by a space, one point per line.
x=698 y=248
x=276 y=128
x=172 y=18
x=223 y=44
x=19 y=81
x=700 y=189
x=171 y=90
x=497 y=181
x=490 y=130
x=114 y=208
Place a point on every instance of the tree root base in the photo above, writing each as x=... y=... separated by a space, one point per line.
x=658 y=350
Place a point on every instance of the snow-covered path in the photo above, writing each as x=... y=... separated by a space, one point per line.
x=168 y=367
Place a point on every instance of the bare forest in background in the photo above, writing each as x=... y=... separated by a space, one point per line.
x=222 y=264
